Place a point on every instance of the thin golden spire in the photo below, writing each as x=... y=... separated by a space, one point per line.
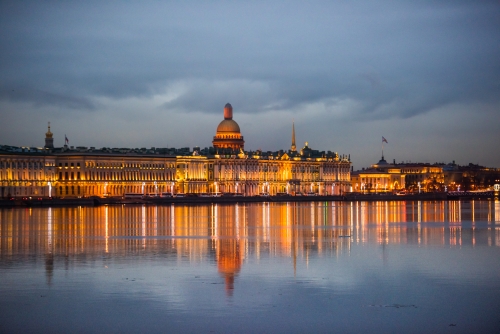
x=293 y=148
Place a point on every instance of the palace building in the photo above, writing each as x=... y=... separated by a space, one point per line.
x=223 y=168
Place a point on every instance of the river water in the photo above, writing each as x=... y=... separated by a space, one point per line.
x=348 y=267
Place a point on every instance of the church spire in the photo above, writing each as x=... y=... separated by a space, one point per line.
x=293 y=148
x=49 y=141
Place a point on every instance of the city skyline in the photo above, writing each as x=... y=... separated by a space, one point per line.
x=424 y=76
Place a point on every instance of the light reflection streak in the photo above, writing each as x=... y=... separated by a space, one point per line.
x=49 y=229
x=143 y=226
x=106 y=227
x=497 y=211
x=358 y=211
x=386 y=232
x=172 y=222
x=351 y=220
x=472 y=211
x=216 y=220
x=265 y=221
x=364 y=215
x=313 y=222
x=237 y=221
x=155 y=225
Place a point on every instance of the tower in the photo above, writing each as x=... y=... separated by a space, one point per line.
x=293 y=148
x=49 y=141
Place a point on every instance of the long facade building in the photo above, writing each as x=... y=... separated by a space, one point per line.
x=384 y=177
x=223 y=168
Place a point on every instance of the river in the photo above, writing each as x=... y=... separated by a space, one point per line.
x=349 y=267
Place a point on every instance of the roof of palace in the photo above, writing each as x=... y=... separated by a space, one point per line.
x=306 y=154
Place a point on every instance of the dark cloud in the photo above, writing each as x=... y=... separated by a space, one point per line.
x=39 y=97
x=389 y=59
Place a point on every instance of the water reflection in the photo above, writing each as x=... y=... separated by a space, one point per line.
x=290 y=264
x=227 y=233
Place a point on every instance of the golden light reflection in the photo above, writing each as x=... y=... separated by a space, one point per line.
x=497 y=211
x=229 y=234
x=107 y=230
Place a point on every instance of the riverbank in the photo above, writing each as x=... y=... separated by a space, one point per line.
x=95 y=201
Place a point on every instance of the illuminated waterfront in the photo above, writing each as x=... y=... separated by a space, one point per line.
x=260 y=267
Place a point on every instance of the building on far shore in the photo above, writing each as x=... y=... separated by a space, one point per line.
x=384 y=177
x=223 y=168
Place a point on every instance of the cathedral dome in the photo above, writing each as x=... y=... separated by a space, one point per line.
x=228 y=133
x=228 y=125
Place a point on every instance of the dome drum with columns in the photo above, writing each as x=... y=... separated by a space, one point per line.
x=228 y=133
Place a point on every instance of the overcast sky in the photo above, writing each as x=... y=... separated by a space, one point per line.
x=423 y=74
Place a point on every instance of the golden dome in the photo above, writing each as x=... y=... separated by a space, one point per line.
x=228 y=125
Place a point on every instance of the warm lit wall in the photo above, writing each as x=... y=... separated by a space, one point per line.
x=26 y=175
x=83 y=175
x=256 y=175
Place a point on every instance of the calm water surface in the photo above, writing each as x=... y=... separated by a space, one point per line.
x=379 y=267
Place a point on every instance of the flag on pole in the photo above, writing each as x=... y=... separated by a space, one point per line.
x=384 y=140
x=66 y=141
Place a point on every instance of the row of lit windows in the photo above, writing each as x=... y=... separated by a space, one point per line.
x=71 y=165
x=92 y=164
x=276 y=168
x=21 y=164
x=69 y=176
x=219 y=136
x=19 y=176
x=117 y=176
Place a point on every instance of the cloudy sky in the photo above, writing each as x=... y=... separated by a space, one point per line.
x=423 y=74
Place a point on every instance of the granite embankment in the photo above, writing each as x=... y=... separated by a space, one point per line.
x=235 y=199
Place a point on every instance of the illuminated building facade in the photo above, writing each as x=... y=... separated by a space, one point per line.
x=423 y=177
x=224 y=168
x=386 y=177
